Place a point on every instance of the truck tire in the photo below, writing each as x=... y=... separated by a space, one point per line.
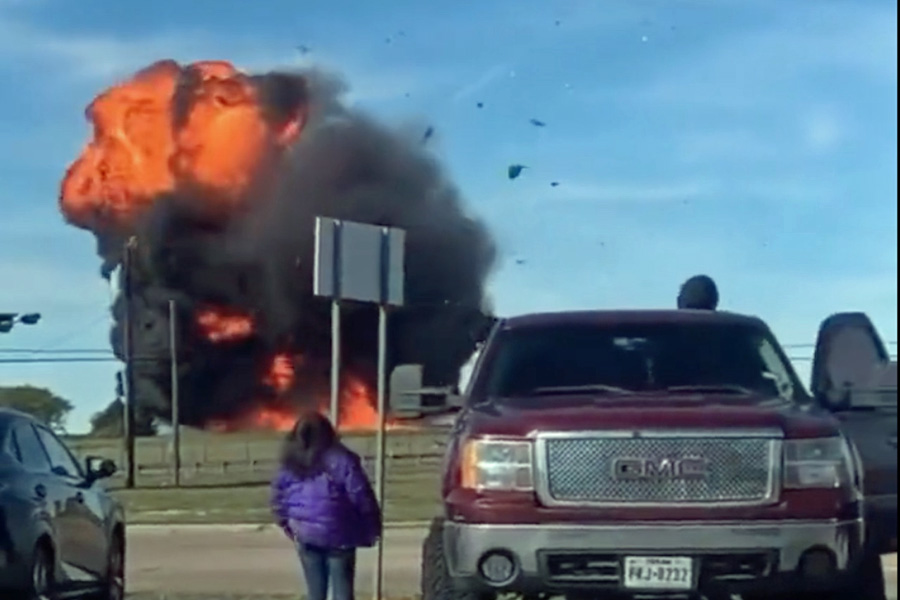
x=435 y=578
x=867 y=583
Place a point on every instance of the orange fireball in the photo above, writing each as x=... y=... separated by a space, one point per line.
x=201 y=129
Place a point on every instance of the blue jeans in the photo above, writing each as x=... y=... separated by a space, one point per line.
x=322 y=565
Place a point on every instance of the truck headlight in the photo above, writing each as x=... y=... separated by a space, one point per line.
x=504 y=465
x=824 y=463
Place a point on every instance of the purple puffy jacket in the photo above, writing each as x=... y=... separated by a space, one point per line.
x=333 y=509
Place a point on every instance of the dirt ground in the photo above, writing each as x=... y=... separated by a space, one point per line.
x=235 y=562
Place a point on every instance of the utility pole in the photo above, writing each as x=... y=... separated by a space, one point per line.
x=176 y=417
x=131 y=397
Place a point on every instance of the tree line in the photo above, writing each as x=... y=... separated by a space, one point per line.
x=47 y=407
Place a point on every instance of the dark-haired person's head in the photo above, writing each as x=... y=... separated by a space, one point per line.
x=307 y=443
x=699 y=293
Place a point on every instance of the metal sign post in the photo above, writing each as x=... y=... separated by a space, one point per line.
x=176 y=416
x=130 y=395
x=362 y=263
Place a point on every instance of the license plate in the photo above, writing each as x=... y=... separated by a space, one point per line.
x=659 y=573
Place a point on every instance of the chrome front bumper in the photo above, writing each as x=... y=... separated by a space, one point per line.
x=785 y=543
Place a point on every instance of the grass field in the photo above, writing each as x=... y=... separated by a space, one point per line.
x=225 y=477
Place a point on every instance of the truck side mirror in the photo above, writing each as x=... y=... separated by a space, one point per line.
x=411 y=400
x=404 y=389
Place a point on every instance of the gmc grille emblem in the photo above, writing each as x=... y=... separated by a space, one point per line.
x=665 y=469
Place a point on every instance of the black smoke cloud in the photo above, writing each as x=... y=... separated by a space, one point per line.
x=347 y=166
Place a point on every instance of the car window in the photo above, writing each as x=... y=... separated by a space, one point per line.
x=639 y=358
x=31 y=453
x=10 y=447
x=61 y=460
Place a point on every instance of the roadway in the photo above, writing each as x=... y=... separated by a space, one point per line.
x=237 y=560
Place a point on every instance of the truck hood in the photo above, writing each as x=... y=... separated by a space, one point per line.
x=520 y=417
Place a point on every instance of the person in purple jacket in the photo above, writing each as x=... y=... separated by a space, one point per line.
x=323 y=501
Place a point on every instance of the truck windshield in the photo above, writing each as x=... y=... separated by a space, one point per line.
x=716 y=358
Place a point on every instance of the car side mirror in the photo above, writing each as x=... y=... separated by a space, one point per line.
x=100 y=468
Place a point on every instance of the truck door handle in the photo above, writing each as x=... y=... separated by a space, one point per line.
x=40 y=492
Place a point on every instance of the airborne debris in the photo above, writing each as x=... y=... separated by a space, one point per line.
x=304 y=50
x=429 y=133
x=480 y=105
x=554 y=184
x=537 y=122
x=515 y=170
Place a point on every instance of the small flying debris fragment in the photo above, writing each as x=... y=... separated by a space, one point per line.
x=554 y=184
x=558 y=23
x=537 y=123
x=645 y=39
x=515 y=170
x=429 y=133
x=407 y=94
x=480 y=105
x=304 y=50
x=520 y=261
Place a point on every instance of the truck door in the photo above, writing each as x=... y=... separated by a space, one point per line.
x=853 y=376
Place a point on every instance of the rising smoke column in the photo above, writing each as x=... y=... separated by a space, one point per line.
x=220 y=176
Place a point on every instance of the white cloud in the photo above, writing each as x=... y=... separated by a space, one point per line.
x=100 y=59
x=752 y=69
x=634 y=192
x=824 y=130
x=736 y=145
x=482 y=82
x=36 y=284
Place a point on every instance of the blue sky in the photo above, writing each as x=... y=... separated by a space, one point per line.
x=755 y=140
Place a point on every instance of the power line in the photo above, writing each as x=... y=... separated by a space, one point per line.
x=110 y=351
x=70 y=359
x=813 y=346
x=60 y=351
x=76 y=331
x=156 y=359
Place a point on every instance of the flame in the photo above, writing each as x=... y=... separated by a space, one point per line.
x=170 y=128
x=281 y=375
x=273 y=419
x=224 y=325
x=357 y=406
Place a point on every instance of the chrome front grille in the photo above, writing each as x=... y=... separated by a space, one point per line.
x=582 y=469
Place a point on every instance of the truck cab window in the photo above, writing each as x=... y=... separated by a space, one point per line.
x=640 y=358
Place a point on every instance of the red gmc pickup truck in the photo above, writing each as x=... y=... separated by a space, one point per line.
x=645 y=454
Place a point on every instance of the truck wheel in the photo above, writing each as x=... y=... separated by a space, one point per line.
x=867 y=583
x=435 y=577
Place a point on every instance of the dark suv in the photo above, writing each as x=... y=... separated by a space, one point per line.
x=61 y=533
